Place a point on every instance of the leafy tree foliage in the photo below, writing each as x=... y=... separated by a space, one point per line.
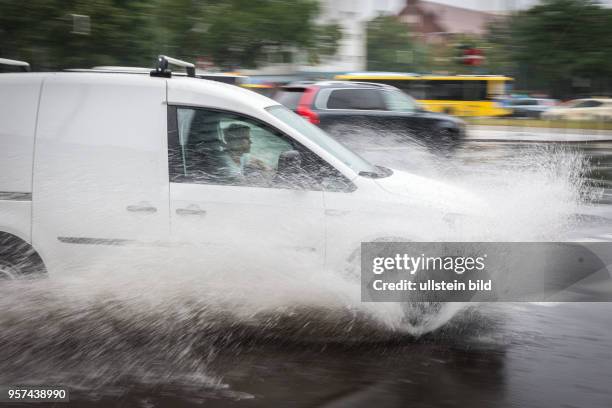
x=233 y=33
x=42 y=32
x=561 y=46
x=242 y=31
x=391 y=48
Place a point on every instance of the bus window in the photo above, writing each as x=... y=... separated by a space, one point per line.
x=469 y=90
x=445 y=90
x=475 y=90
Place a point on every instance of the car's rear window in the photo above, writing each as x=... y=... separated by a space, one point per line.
x=290 y=97
x=361 y=99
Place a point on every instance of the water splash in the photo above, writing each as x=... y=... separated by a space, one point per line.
x=99 y=331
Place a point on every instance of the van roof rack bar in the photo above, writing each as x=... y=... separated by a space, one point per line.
x=161 y=69
x=24 y=66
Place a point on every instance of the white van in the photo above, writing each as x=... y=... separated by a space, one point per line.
x=99 y=167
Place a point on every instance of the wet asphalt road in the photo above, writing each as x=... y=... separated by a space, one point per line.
x=511 y=355
x=489 y=355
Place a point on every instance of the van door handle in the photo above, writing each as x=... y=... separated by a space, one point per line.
x=141 y=207
x=191 y=210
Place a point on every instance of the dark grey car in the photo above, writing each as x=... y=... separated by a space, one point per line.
x=345 y=108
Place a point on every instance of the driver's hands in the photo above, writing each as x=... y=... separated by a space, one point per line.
x=257 y=164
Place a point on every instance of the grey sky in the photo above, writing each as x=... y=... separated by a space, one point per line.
x=496 y=4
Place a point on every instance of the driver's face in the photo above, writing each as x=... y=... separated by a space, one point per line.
x=240 y=142
x=243 y=145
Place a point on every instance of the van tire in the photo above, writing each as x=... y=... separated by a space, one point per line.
x=352 y=264
x=18 y=259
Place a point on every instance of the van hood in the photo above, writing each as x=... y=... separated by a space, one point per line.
x=432 y=193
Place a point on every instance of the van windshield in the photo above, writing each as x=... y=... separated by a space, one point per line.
x=323 y=140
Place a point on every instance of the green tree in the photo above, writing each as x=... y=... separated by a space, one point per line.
x=447 y=56
x=234 y=33
x=562 y=46
x=240 y=32
x=42 y=32
x=391 y=48
x=324 y=42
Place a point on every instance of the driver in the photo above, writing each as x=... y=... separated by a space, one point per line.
x=238 y=146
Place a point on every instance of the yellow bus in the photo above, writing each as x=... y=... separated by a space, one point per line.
x=262 y=89
x=461 y=95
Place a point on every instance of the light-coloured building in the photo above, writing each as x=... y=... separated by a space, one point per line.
x=352 y=15
x=436 y=22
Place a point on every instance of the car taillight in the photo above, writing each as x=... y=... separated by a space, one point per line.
x=307 y=113
x=303 y=108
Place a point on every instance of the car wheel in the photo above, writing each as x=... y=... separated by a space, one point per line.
x=18 y=259
x=419 y=316
x=352 y=266
x=8 y=271
x=446 y=140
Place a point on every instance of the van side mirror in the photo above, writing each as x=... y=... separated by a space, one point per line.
x=289 y=172
x=289 y=163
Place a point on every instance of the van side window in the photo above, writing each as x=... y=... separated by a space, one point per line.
x=215 y=147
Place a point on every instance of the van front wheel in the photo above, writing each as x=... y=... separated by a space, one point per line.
x=8 y=271
x=18 y=259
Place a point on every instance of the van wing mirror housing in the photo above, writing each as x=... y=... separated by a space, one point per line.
x=289 y=172
x=289 y=163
